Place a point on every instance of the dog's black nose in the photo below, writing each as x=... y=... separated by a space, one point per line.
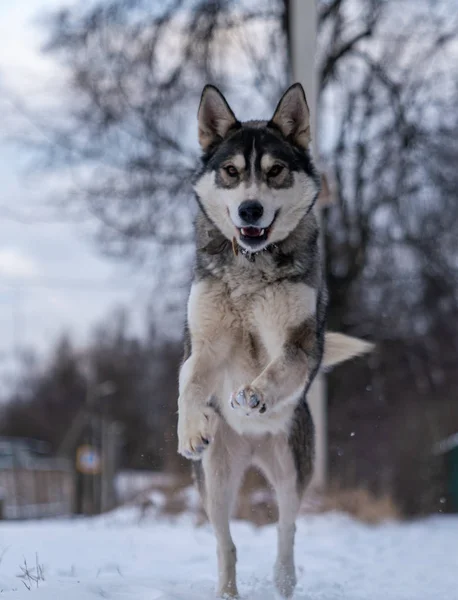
x=250 y=211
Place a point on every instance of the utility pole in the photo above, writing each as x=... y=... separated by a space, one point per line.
x=303 y=31
x=95 y=464
x=110 y=444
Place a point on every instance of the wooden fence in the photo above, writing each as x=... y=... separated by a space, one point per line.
x=33 y=488
x=44 y=491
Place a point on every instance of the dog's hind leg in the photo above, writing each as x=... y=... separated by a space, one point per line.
x=277 y=464
x=287 y=464
x=224 y=464
x=288 y=507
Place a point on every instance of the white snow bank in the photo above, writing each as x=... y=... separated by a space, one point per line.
x=121 y=558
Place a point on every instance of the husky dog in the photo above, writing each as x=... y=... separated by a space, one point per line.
x=255 y=335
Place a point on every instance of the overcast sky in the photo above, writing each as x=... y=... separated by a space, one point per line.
x=52 y=277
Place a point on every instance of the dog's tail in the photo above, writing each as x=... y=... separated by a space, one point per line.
x=339 y=348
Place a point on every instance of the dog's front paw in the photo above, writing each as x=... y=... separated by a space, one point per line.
x=248 y=400
x=196 y=429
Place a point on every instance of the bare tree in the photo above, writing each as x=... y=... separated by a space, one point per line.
x=387 y=134
x=129 y=133
x=135 y=75
x=388 y=237
x=48 y=396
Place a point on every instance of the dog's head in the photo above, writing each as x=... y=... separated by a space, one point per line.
x=258 y=180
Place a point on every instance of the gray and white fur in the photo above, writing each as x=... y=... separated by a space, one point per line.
x=255 y=335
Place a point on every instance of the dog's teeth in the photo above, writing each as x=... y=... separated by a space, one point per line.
x=256 y=233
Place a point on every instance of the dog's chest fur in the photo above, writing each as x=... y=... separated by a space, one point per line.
x=264 y=321
x=246 y=312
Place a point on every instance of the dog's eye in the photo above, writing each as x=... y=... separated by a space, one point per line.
x=231 y=171
x=275 y=170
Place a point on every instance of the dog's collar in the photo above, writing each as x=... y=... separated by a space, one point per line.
x=251 y=256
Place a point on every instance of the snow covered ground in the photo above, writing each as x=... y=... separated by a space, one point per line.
x=120 y=558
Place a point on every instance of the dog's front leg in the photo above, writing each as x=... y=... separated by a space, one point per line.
x=197 y=420
x=286 y=376
x=283 y=379
x=210 y=331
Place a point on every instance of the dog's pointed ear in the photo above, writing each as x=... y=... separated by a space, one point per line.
x=292 y=116
x=215 y=117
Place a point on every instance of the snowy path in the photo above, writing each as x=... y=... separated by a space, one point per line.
x=338 y=559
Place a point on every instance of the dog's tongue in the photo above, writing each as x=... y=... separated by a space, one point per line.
x=252 y=231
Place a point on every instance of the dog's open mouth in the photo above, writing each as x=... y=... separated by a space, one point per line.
x=254 y=235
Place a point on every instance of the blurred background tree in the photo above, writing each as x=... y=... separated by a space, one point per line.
x=387 y=139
